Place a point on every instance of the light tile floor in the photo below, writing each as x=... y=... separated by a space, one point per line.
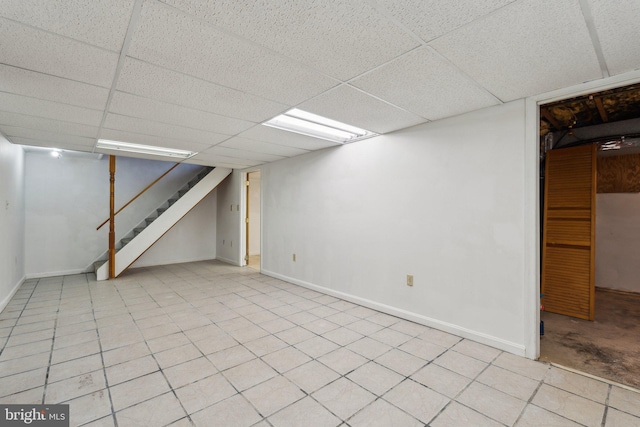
x=208 y=344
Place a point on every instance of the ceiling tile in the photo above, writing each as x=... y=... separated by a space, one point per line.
x=43 y=86
x=341 y=38
x=243 y=154
x=426 y=84
x=432 y=18
x=39 y=123
x=352 y=106
x=526 y=48
x=226 y=60
x=139 y=138
x=48 y=109
x=218 y=160
x=46 y=143
x=262 y=147
x=147 y=80
x=289 y=139
x=218 y=163
x=148 y=127
x=145 y=108
x=38 y=50
x=98 y=22
x=45 y=136
x=616 y=23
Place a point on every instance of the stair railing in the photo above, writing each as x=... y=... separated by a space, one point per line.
x=112 y=214
x=139 y=194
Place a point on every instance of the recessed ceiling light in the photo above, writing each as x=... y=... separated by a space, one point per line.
x=144 y=149
x=310 y=124
x=56 y=153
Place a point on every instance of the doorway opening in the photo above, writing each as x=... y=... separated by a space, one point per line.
x=606 y=341
x=253 y=232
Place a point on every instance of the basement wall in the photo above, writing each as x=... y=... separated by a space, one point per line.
x=443 y=202
x=229 y=232
x=67 y=198
x=618 y=241
x=12 y=226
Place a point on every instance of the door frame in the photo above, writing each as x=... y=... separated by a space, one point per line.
x=244 y=228
x=532 y=189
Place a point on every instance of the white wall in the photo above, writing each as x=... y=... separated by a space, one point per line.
x=618 y=241
x=67 y=198
x=11 y=220
x=193 y=239
x=229 y=232
x=442 y=201
x=254 y=213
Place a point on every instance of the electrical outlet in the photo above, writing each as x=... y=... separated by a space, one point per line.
x=231 y=208
x=409 y=279
x=231 y=244
x=223 y=242
x=294 y=257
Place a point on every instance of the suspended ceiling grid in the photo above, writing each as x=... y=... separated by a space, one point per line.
x=202 y=75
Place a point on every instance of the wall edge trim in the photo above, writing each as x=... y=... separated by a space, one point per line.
x=480 y=337
x=7 y=299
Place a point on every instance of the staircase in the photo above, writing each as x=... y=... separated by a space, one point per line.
x=141 y=238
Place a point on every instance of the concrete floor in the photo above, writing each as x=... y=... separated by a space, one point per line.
x=608 y=347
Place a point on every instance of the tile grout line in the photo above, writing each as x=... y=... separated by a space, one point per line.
x=104 y=369
x=53 y=342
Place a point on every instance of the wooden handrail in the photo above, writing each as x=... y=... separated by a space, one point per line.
x=139 y=194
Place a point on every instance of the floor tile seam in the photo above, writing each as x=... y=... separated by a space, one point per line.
x=594 y=377
x=104 y=369
x=4 y=346
x=573 y=393
x=413 y=416
x=605 y=413
x=548 y=366
x=53 y=343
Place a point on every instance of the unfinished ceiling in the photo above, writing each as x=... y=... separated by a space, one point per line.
x=203 y=75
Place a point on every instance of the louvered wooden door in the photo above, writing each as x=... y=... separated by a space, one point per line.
x=568 y=256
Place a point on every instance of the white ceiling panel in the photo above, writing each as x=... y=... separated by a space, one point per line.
x=262 y=147
x=98 y=22
x=426 y=84
x=619 y=36
x=432 y=18
x=221 y=58
x=525 y=48
x=38 y=50
x=218 y=160
x=218 y=163
x=48 y=109
x=46 y=136
x=139 y=138
x=148 y=127
x=43 y=86
x=289 y=139
x=60 y=145
x=150 y=81
x=352 y=106
x=136 y=106
x=342 y=38
x=243 y=154
x=38 y=123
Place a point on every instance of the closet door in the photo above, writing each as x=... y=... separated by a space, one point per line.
x=568 y=256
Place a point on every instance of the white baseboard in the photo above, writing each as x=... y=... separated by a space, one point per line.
x=55 y=273
x=499 y=343
x=229 y=261
x=6 y=299
x=172 y=261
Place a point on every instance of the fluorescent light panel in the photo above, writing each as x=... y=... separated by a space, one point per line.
x=310 y=124
x=144 y=149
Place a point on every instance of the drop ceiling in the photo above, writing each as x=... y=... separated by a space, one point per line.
x=203 y=75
